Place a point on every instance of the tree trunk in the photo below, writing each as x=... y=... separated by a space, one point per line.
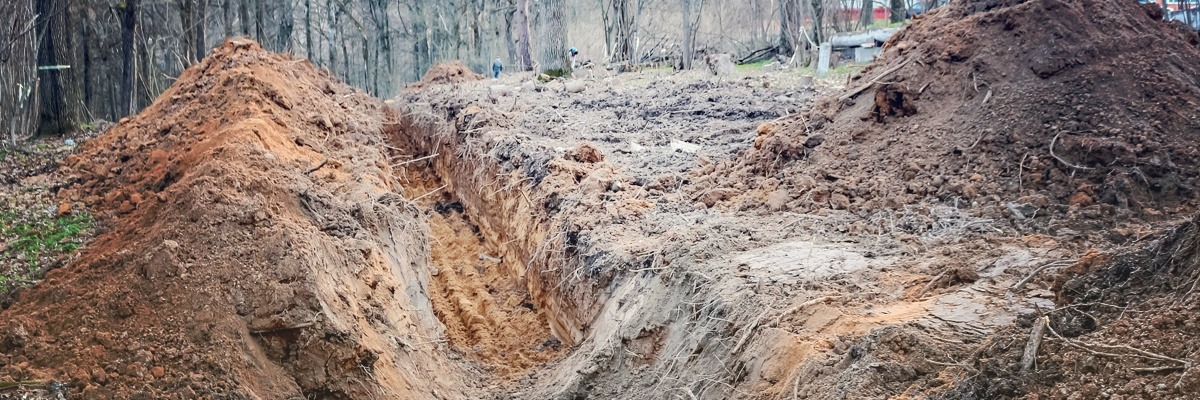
x=688 y=50
x=899 y=13
x=332 y=19
x=59 y=112
x=818 y=9
x=129 y=18
x=201 y=21
x=790 y=24
x=866 y=17
x=620 y=29
x=524 y=51
x=308 y=36
x=244 y=16
x=259 y=15
x=552 y=29
x=187 y=25
x=283 y=41
x=227 y=12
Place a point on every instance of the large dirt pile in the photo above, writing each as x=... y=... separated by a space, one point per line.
x=448 y=72
x=1041 y=108
x=254 y=246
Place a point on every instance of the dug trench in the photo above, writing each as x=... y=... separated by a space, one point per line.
x=267 y=232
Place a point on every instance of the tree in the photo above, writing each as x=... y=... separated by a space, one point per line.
x=620 y=28
x=520 y=29
x=552 y=32
x=865 y=17
x=790 y=23
x=129 y=19
x=899 y=13
x=58 y=90
x=688 y=49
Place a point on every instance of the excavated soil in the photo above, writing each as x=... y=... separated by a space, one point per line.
x=448 y=72
x=255 y=246
x=1029 y=111
x=271 y=233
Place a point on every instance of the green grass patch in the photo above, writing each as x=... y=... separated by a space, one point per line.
x=881 y=24
x=32 y=241
x=754 y=65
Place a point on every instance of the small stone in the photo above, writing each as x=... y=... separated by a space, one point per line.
x=98 y=375
x=839 y=201
x=1080 y=199
x=158 y=372
x=125 y=207
x=81 y=376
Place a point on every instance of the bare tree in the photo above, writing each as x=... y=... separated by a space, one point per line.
x=688 y=49
x=58 y=90
x=866 y=17
x=129 y=20
x=18 y=67
x=791 y=20
x=620 y=18
x=899 y=12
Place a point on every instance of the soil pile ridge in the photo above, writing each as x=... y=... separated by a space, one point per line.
x=448 y=72
x=1050 y=107
x=254 y=247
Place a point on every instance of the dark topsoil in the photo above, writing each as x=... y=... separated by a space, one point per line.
x=1027 y=111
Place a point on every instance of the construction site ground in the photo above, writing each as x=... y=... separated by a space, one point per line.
x=952 y=221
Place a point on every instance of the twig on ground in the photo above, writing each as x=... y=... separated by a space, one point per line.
x=930 y=284
x=18 y=384
x=415 y=160
x=318 y=166
x=872 y=82
x=1034 y=343
x=1013 y=290
x=1133 y=352
x=1020 y=172
x=1056 y=157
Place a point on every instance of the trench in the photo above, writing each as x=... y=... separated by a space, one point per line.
x=484 y=240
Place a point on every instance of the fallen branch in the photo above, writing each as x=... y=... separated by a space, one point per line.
x=867 y=85
x=1056 y=157
x=930 y=284
x=1034 y=343
x=314 y=169
x=1013 y=290
x=19 y=384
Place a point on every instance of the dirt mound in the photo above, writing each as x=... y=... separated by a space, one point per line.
x=1046 y=107
x=253 y=246
x=1125 y=327
x=447 y=72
